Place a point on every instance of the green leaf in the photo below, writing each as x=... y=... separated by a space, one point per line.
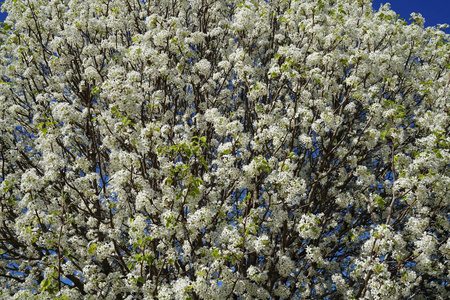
x=438 y=153
x=92 y=248
x=148 y=258
x=216 y=254
x=45 y=283
x=380 y=201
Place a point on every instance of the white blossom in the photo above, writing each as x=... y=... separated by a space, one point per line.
x=222 y=149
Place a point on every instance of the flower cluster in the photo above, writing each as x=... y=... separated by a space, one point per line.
x=222 y=150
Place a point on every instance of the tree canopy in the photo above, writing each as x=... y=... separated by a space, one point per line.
x=221 y=149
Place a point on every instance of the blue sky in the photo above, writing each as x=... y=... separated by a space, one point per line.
x=434 y=11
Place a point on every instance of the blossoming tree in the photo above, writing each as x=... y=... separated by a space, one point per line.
x=203 y=149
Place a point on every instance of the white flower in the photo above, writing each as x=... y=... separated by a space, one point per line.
x=91 y=73
x=181 y=287
x=313 y=59
x=138 y=226
x=261 y=243
x=309 y=226
x=203 y=66
x=285 y=265
x=31 y=181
